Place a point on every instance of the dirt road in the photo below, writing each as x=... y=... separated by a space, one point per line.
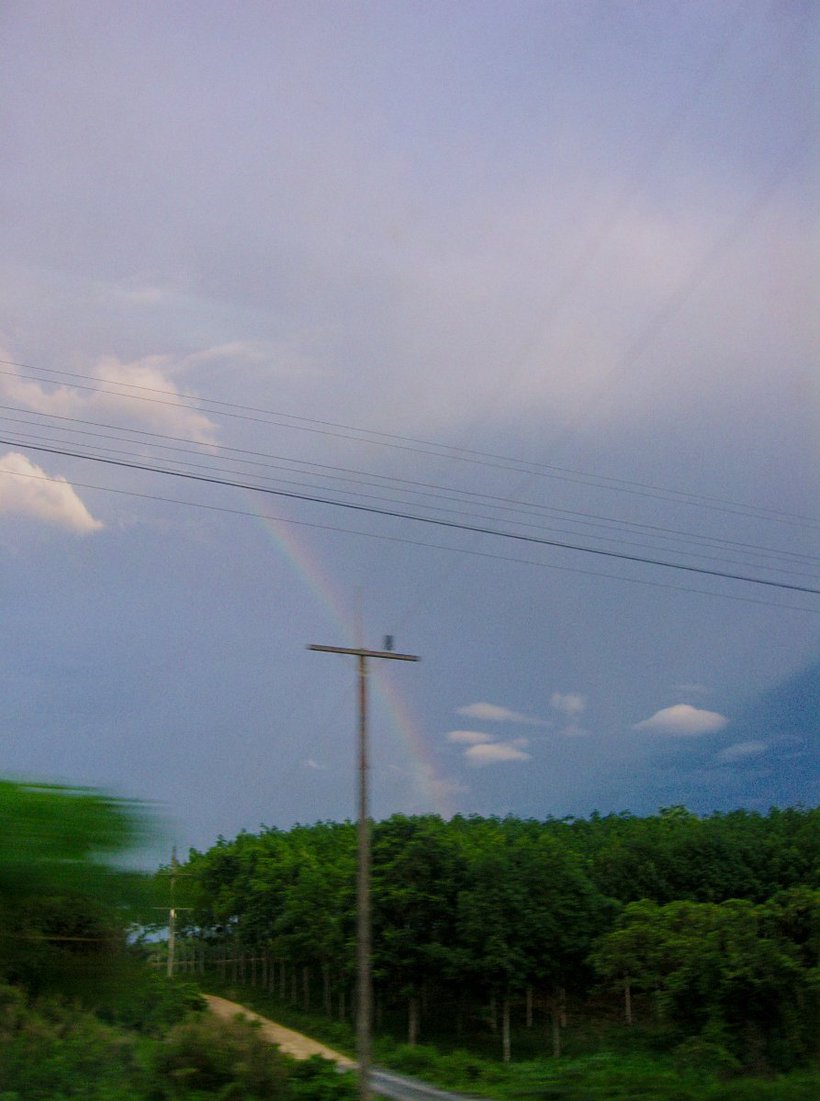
x=385 y=1084
x=292 y=1043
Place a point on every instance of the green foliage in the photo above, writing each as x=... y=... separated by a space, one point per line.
x=206 y=1057
x=676 y=855
x=418 y=872
x=734 y=971
x=605 y=1076
x=316 y=1079
x=148 y=1002
x=55 y=839
x=54 y=1051
x=710 y=921
x=64 y=904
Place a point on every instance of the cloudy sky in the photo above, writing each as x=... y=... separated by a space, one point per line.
x=484 y=325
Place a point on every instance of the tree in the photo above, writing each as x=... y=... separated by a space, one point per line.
x=417 y=874
x=740 y=974
x=528 y=915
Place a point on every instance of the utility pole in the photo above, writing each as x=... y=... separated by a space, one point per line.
x=172 y=912
x=172 y=915
x=364 y=1001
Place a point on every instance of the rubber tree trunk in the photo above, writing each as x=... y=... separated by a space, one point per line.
x=555 y=1024
x=412 y=1021
x=505 y=1029
x=493 y=1015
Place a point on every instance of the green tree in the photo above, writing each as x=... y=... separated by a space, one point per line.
x=529 y=914
x=417 y=875
x=735 y=973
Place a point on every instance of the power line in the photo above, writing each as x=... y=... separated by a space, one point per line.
x=437 y=521
x=404 y=541
x=524 y=513
x=520 y=511
x=238 y=454
x=453 y=512
x=430 y=448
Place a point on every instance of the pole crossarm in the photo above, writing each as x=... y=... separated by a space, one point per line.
x=364 y=653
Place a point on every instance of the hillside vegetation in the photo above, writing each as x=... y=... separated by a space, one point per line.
x=671 y=957
x=532 y=938
x=82 y=1015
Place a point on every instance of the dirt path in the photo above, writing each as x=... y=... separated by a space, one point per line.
x=292 y=1043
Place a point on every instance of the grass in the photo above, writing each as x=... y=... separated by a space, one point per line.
x=604 y=1062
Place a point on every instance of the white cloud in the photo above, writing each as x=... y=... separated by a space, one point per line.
x=570 y=704
x=491 y=753
x=490 y=712
x=575 y=730
x=26 y=490
x=741 y=751
x=683 y=719
x=141 y=393
x=253 y=350
x=468 y=737
x=310 y=763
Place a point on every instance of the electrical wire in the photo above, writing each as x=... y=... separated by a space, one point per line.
x=521 y=512
x=491 y=460
x=437 y=521
x=381 y=537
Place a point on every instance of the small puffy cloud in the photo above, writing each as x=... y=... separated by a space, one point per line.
x=575 y=730
x=741 y=751
x=570 y=704
x=26 y=490
x=468 y=737
x=493 y=753
x=683 y=719
x=310 y=763
x=492 y=713
x=249 y=350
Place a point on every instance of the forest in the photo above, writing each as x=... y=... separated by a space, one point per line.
x=672 y=957
x=700 y=931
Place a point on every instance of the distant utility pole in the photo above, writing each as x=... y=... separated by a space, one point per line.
x=364 y=1001
x=172 y=912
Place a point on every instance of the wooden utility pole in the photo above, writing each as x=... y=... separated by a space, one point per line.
x=172 y=912
x=172 y=915
x=364 y=983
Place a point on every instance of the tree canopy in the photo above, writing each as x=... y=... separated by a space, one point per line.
x=711 y=921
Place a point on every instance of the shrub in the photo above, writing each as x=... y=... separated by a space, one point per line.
x=699 y=1054
x=316 y=1079
x=207 y=1057
x=55 y=1051
x=149 y=1003
x=413 y=1058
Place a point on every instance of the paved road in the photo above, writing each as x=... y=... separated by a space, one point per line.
x=396 y=1087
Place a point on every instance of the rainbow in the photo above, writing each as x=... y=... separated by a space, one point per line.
x=301 y=558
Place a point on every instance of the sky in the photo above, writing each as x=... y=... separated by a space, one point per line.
x=488 y=326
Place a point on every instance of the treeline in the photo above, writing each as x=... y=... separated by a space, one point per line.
x=708 y=926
